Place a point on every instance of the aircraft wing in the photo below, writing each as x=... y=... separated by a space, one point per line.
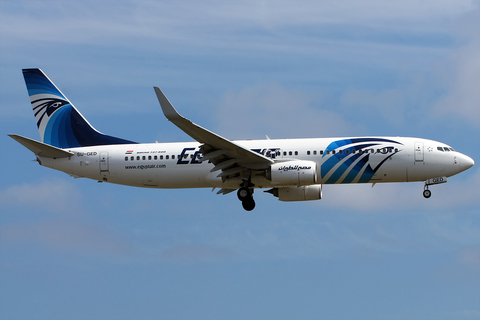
x=225 y=154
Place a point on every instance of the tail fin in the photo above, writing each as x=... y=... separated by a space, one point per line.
x=59 y=123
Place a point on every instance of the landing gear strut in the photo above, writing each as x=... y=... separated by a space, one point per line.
x=245 y=195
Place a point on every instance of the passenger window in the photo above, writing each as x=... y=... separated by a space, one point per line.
x=126 y=158
x=132 y=158
x=296 y=153
x=143 y=157
x=284 y=153
x=372 y=151
x=328 y=151
x=347 y=151
x=149 y=157
x=289 y=153
x=138 y=157
x=354 y=151
x=161 y=157
x=340 y=151
x=321 y=152
x=173 y=156
x=166 y=157
x=396 y=149
x=333 y=151
x=154 y=157
x=314 y=152
x=308 y=153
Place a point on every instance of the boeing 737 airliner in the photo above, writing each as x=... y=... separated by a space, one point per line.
x=291 y=169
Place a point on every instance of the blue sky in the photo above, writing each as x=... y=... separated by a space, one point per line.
x=78 y=249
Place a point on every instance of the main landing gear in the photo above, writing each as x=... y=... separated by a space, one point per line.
x=245 y=195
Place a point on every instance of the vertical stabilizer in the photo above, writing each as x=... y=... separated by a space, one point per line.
x=59 y=123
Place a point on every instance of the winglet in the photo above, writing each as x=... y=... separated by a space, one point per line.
x=167 y=108
x=193 y=130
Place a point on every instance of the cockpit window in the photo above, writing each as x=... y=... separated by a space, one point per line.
x=440 y=149
x=446 y=149
x=452 y=149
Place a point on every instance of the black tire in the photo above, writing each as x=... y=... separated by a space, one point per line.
x=243 y=193
x=427 y=194
x=248 y=204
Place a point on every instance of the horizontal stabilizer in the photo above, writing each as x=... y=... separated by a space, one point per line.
x=41 y=149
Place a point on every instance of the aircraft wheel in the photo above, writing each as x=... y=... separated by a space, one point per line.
x=248 y=204
x=427 y=193
x=243 y=194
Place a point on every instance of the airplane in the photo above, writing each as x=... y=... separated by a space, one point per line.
x=290 y=169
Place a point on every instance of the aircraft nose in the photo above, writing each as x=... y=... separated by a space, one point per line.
x=466 y=162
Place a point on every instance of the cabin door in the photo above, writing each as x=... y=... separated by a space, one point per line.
x=418 y=151
x=104 y=161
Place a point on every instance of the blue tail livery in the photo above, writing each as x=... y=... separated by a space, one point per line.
x=59 y=123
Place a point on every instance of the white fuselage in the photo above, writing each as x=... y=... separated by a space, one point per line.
x=338 y=160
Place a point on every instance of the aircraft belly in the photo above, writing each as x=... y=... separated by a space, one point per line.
x=180 y=176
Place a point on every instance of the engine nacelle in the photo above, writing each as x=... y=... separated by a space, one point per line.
x=297 y=173
x=302 y=193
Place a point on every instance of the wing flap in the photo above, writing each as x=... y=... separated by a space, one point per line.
x=225 y=191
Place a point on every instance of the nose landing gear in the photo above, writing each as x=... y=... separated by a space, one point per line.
x=427 y=193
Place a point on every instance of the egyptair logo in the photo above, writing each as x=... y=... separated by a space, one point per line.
x=46 y=106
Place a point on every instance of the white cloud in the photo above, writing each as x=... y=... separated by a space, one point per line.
x=270 y=109
x=57 y=195
x=98 y=22
x=65 y=235
x=463 y=96
x=388 y=106
x=470 y=256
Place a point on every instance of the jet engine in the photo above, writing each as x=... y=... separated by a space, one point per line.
x=302 y=193
x=297 y=173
